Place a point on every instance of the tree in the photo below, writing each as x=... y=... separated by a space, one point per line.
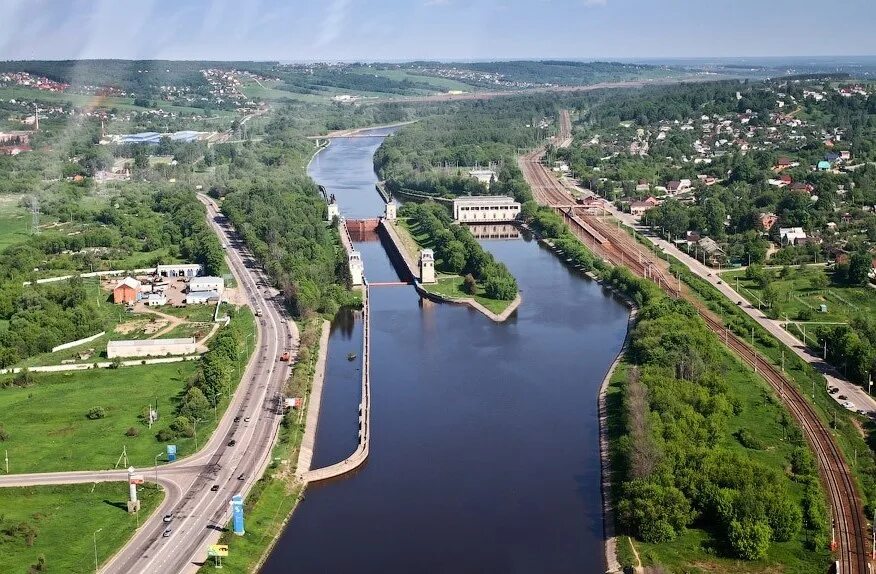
x=819 y=281
x=749 y=539
x=469 y=285
x=194 y=404
x=652 y=512
x=860 y=264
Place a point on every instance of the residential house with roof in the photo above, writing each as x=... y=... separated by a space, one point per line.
x=127 y=291
x=791 y=235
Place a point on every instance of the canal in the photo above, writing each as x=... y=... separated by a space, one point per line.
x=484 y=446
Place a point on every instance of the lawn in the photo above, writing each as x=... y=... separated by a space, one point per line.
x=48 y=429
x=191 y=313
x=800 y=296
x=14 y=225
x=762 y=415
x=451 y=286
x=65 y=519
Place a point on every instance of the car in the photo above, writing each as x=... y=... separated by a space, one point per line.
x=246 y=419
x=168 y=518
x=833 y=390
x=719 y=281
x=166 y=533
x=849 y=405
x=232 y=442
x=862 y=412
x=842 y=397
x=214 y=488
x=241 y=476
x=237 y=419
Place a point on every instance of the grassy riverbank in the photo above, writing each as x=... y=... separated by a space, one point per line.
x=57 y=524
x=276 y=494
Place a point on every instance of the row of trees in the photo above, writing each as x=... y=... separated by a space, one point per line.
x=458 y=252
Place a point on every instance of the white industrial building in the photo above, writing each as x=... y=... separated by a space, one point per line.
x=485 y=208
x=151 y=348
x=179 y=270
x=484 y=176
x=207 y=284
x=201 y=297
x=155 y=299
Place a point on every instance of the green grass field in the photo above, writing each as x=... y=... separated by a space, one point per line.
x=14 y=226
x=48 y=429
x=451 y=286
x=65 y=519
x=797 y=294
x=761 y=414
x=439 y=84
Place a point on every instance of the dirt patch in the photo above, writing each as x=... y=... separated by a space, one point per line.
x=234 y=296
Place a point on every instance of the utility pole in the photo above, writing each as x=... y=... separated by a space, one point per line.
x=7 y=461
x=94 y=538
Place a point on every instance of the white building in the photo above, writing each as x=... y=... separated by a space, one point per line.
x=201 y=297
x=427 y=266
x=156 y=299
x=485 y=176
x=151 y=348
x=790 y=235
x=207 y=284
x=179 y=270
x=485 y=208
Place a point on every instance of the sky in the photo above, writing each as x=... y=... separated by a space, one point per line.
x=393 y=30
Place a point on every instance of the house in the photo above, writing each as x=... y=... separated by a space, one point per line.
x=782 y=163
x=802 y=186
x=638 y=208
x=673 y=187
x=823 y=165
x=712 y=250
x=786 y=179
x=127 y=291
x=206 y=284
x=831 y=157
x=791 y=235
x=845 y=155
x=155 y=299
x=692 y=237
x=767 y=220
x=643 y=185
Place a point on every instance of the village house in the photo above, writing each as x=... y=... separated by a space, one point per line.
x=791 y=235
x=767 y=220
x=127 y=291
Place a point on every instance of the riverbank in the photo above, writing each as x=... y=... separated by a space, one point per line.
x=352 y=132
x=448 y=288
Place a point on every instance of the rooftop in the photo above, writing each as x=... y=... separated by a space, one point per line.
x=484 y=200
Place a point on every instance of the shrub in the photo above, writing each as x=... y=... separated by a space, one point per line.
x=95 y=413
x=4 y=434
x=748 y=440
x=749 y=539
x=165 y=435
x=469 y=285
x=132 y=432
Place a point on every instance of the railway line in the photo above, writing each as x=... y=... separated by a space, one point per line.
x=850 y=527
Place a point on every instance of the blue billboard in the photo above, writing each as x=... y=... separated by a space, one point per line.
x=237 y=514
x=171 y=452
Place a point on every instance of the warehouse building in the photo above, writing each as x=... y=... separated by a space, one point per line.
x=207 y=284
x=127 y=291
x=179 y=270
x=486 y=208
x=202 y=297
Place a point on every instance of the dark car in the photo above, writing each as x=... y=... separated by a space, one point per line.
x=166 y=533
x=232 y=442
x=214 y=488
x=240 y=476
x=237 y=419
x=842 y=397
x=833 y=390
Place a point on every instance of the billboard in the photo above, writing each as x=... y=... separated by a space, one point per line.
x=237 y=514
x=220 y=550
x=171 y=452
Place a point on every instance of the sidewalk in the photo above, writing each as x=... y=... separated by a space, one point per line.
x=857 y=395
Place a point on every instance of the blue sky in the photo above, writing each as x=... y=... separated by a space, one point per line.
x=432 y=29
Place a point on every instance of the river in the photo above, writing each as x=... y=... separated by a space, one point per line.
x=484 y=445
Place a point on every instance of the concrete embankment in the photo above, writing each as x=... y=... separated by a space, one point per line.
x=362 y=449
x=399 y=252
x=612 y=564
x=305 y=451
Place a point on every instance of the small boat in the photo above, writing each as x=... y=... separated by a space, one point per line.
x=351 y=356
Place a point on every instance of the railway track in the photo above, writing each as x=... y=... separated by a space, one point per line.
x=850 y=528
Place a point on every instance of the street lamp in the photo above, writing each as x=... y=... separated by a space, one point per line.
x=94 y=539
x=156 y=466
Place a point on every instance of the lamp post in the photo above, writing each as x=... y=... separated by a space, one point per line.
x=94 y=539
x=156 y=466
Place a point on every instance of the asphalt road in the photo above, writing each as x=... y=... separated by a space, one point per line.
x=199 y=514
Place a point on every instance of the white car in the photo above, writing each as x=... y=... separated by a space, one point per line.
x=849 y=405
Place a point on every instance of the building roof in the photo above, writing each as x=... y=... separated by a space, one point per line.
x=128 y=282
x=171 y=266
x=206 y=295
x=487 y=200
x=204 y=283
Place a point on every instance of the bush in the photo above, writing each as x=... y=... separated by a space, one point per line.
x=4 y=434
x=469 y=285
x=750 y=539
x=95 y=413
x=165 y=435
x=748 y=440
x=132 y=432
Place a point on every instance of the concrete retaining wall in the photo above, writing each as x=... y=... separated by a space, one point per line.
x=79 y=342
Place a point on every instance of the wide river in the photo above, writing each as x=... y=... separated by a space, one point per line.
x=484 y=445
